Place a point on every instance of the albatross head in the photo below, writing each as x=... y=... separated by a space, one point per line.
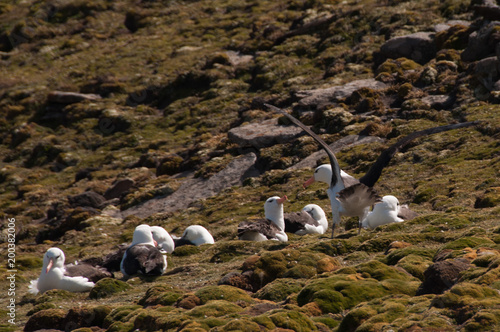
x=322 y=173
x=53 y=258
x=273 y=208
x=143 y=235
x=389 y=203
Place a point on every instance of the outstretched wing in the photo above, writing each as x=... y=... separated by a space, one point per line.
x=329 y=152
x=373 y=174
x=356 y=198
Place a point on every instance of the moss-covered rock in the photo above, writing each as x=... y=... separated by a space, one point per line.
x=350 y=286
x=292 y=320
x=122 y=314
x=279 y=289
x=106 y=287
x=54 y=295
x=223 y=293
x=239 y=324
x=215 y=308
x=161 y=294
x=46 y=319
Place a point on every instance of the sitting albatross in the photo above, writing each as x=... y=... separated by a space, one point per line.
x=310 y=220
x=271 y=228
x=143 y=256
x=55 y=276
x=195 y=235
x=348 y=196
x=383 y=213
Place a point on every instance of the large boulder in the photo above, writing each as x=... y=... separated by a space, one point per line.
x=440 y=276
x=419 y=47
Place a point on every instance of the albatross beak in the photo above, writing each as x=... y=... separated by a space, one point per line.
x=282 y=199
x=49 y=266
x=309 y=182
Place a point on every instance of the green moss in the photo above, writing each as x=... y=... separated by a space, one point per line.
x=54 y=295
x=279 y=289
x=222 y=292
x=396 y=255
x=121 y=314
x=471 y=242
x=240 y=324
x=45 y=319
x=186 y=250
x=415 y=265
x=293 y=320
x=42 y=306
x=215 y=308
x=106 y=287
x=161 y=294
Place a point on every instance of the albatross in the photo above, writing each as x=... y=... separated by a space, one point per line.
x=383 y=213
x=271 y=228
x=142 y=256
x=55 y=276
x=163 y=239
x=195 y=235
x=348 y=196
x=310 y=220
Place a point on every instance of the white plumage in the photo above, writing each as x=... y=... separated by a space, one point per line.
x=385 y=212
x=53 y=275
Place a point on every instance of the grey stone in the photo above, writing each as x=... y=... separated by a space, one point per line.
x=61 y=97
x=319 y=98
x=193 y=189
x=419 y=47
x=118 y=188
x=263 y=134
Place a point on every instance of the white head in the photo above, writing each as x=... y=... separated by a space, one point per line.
x=389 y=203
x=143 y=235
x=164 y=240
x=198 y=235
x=322 y=173
x=273 y=208
x=53 y=258
x=315 y=211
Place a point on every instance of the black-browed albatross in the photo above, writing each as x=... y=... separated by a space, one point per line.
x=347 y=197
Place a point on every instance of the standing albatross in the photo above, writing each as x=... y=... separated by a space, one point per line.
x=271 y=228
x=55 y=276
x=348 y=196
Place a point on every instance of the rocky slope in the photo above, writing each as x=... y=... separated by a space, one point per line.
x=117 y=113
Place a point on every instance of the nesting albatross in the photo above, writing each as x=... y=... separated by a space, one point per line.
x=195 y=235
x=310 y=220
x=348 y=196
x=143 y=257
x=54 y=275
x=271 y=228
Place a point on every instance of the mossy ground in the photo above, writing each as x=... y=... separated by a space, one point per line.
x=170 y=92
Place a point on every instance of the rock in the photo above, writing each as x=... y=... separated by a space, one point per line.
x=321 y=98
x=118 y=188
x=61 y=97
x=235 y=58
x=45 y=319
x=419 y=47
x=85 y=173
x=482 y=43
x=487 y=71
x=194 y=189
x=263 y=134
x=438 y=102
x=445 y=26
x=170 y=165
x=188 y=302
x=236 y=279
x=396 y=245
x=88 y=198
x=440 y=276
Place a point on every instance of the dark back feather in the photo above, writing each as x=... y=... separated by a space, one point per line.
x=296 y=221
x=263 y=226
